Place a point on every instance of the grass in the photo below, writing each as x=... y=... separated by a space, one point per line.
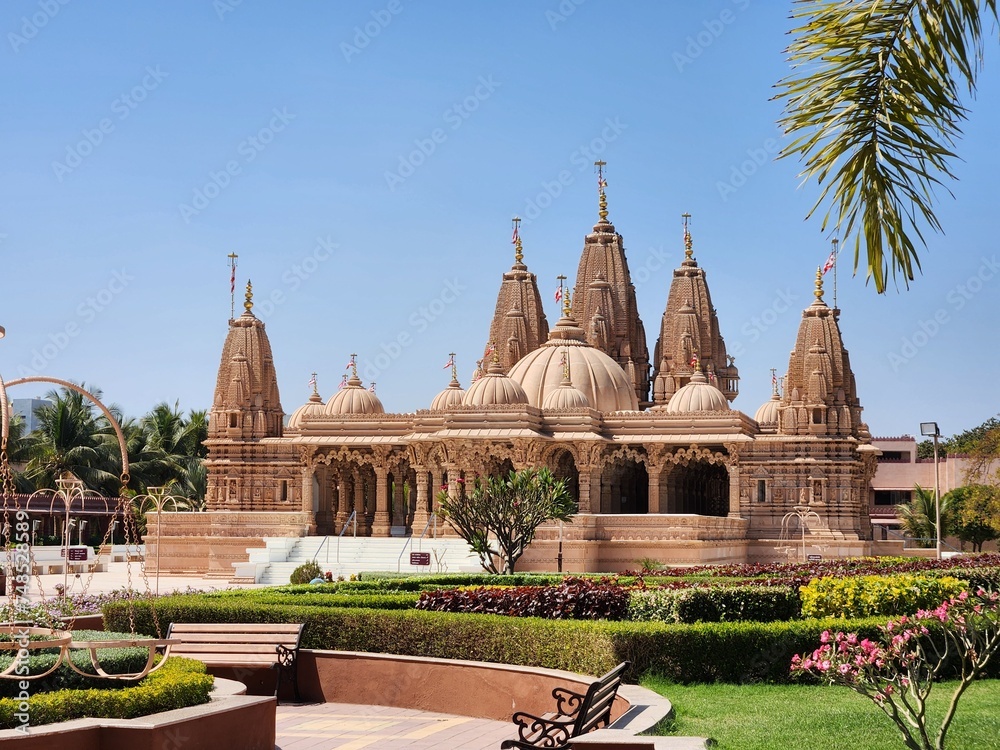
x=778 y=717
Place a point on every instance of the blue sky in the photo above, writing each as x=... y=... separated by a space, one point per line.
x=364 y=159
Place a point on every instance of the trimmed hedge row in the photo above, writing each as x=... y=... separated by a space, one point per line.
x=398 y=600
x=573 y=599
x=716 y=604
x=178 y=684
x=708 y=652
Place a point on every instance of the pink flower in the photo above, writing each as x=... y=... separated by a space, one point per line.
x=844 y=668
x=824 y=637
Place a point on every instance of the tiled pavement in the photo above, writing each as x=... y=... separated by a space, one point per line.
x=343 y=726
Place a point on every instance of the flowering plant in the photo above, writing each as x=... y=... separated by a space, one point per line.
x=898 y=670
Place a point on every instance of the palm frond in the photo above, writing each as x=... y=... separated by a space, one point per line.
x=873 y=107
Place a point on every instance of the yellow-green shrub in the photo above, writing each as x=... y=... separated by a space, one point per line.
x=871 y=596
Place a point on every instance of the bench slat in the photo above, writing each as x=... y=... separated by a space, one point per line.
x=227 y=660
x=234 y=628
x=226 y=648
x=282 y=638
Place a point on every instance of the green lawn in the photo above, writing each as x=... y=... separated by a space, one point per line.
x=781 y=717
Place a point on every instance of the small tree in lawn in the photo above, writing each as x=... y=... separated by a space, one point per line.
x=499 y=515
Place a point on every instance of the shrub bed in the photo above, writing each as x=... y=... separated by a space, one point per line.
x=707 y=652
x=572 y=599
x=868 y=596
x=178 y=684
x=715 y=604
x=112 y=660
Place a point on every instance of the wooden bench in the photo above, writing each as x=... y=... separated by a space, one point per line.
x=241 y=645
x=575 y=714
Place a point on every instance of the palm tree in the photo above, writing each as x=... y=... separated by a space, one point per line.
x=72 y=438
x=918 y=517
x=874 y=110
x=179 y=444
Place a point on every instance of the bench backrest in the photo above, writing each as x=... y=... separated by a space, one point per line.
x=233 y=643
x=596 y=708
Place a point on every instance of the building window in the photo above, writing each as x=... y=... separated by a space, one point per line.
x=283 y=490
x=234 y=420
x=761 y=491
x=817 y=416
x=894 y=457
x=893 y=497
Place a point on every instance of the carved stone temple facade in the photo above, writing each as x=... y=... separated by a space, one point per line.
x=661 y=464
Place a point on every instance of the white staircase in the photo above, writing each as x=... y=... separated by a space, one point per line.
x=343 y=556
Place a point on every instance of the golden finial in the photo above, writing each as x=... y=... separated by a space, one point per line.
x=518 y=255
x=601 y=184
x=248 y=303
x=566 y=303
x=688 y=252
x=496 y=353
x=819 y=283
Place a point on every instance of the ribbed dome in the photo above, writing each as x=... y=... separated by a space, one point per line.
x=767 y=414
x=313 y=407
x=697 y=395
x=566 y=396
x=494 y=389
x=353 y=398
x=597 y=376
x=449 y=398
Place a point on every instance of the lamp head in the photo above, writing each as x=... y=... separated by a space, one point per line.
x=3 y=332
x=929 y=429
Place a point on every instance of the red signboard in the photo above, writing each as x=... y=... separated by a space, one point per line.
x=420 y=558
x=78 y=554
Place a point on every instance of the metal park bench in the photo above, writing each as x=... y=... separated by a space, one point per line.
x=575 y=714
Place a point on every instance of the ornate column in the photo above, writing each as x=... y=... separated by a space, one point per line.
x=398 y=500
x=734 y=489
x=307 y=490
x=343 y=500
x=360 y=509
x=437 y=483
x=420 y=511
x=654 y=472
x=590 y=489
x=380 y=523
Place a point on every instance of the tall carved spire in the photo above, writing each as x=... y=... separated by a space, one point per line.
x=690 y=327
x=820 y=396
x=604 y=301
x=246 y=404
x=519 y=325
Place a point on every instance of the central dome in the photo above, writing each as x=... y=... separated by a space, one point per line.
x=494 y=389
x=353 y=398
x=601 y=379
x=697 y=395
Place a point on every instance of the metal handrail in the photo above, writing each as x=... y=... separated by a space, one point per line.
x=930 y=540
x=351 y=519
x=430 y=519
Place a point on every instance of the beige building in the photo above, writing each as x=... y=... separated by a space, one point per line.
x=661 y=464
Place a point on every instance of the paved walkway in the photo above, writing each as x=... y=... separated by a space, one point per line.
x=344 y=726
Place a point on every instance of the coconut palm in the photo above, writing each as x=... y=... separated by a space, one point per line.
x=918 y=517
x=72 y=438
x=874 y=108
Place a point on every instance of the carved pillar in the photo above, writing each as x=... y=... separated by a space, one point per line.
x=654 y=473
x=343 y=500
x=590 y=489
x=307 y=490
x=380 y=523
x=360 y=509
x=398 y=498
x=734 y=490
x=419 y=490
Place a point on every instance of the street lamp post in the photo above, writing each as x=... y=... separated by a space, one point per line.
x=930 y=429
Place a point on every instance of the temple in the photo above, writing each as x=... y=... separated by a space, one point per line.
x=660 y=463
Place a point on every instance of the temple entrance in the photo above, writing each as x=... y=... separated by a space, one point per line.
x=700 y=488
x=625 y=487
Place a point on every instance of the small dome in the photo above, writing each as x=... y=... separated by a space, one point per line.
x=697 y=395
x=600 y=379
x=767 y=414
x=565 y=397
x=353 y=398
x=313 y=407
x=494 y=389
x=449 y=398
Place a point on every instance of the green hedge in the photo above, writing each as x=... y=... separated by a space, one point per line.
x=728 y=652
x=715 y=604
x=370 y=600
x=177 y=684
x=877 y=595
